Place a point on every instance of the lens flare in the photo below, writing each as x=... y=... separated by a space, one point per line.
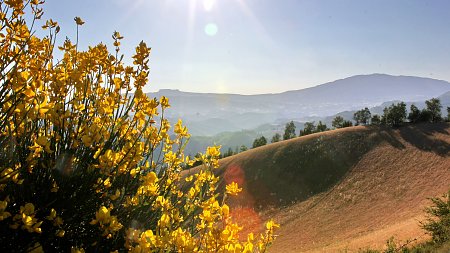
x=211 y=29
x=243 y=204
x=234 y=173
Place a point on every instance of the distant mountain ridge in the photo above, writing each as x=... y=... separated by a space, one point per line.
x=231 y=112
x=374 y=88
x=236 y=138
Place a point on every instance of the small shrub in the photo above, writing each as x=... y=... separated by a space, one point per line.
x=438 y=222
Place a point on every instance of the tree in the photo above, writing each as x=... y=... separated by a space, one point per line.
x=243 y=148
x=347 y=123
x=362 y=116
x=438 y=221
x=321 y=127
x=414 y=114
x=448 y=113
x=258 y=142
x=394 y=115
x=425 y=116
x=338 y=122
x=309 y=128
x=228 y=153
x=276 y=138
x=434 y=108
x=289 y=131
x=85 y=163
x=376 y=120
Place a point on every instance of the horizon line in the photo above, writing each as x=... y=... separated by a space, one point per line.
x=314 y=86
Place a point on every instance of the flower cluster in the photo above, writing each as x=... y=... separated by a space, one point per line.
x=89 y=162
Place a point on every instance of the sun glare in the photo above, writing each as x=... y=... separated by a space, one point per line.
x=208 y=4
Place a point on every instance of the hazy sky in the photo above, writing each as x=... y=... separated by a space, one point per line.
x=262 y=46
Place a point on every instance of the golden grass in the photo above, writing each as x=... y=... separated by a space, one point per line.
x=346 y=189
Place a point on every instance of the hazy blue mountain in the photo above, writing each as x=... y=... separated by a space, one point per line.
x=348 y=115
x=375 y=88
x=233 y=139
x=209 y=114
x=445 y=100
x=236 y=139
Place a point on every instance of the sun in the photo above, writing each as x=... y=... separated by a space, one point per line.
x=212 y=27
x=208 y=4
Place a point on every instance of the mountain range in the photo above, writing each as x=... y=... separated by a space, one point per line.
x=207 y=114
x=233 y=120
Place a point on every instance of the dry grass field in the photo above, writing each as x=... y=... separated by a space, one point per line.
x=342 y=190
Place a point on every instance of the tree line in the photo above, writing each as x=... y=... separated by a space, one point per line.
x=394 y=115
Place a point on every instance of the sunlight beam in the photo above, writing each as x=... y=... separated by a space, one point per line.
x=259 y=27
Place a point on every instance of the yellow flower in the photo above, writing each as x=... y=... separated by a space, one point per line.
x=164 y=221
x=43 y=107
x=213 y=151
x=58 y=221
x=42 y=141
x=115 y=196
x=150 y=178
x=79 y=107
x=78 y=21
x=164 y=102
x=225 y=235
x=114 y=224
x=102 y=216
x=37 y=248
x=270 y=225
x=83 y=104
x=108 y=223
x=76 y=250
x=52 y=214
x=60 y=233
x=107 y=183
x=180 y=129
x=55 y=187
x=248 y=248
x=3 y=213
x=87 y=141
x=28 y=209
x=15 y=4
x=233 y=189
x=27 y=220
x=29 y=93
x=225 y=210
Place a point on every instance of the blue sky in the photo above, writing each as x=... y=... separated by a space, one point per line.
x=263 y=46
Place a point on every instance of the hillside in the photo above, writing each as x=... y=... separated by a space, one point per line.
x=343 y=189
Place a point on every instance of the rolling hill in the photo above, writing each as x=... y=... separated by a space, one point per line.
x=344 y=189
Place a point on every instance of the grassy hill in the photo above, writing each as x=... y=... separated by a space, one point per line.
x=343 y=189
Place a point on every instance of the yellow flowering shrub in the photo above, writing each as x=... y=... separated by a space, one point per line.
x=88 y=162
